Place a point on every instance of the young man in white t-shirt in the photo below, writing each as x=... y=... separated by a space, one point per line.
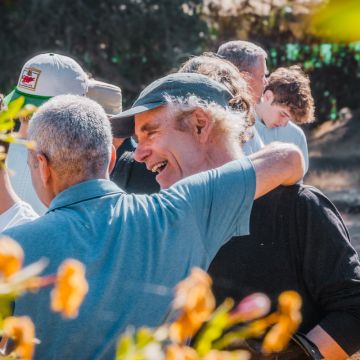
x=286 y=103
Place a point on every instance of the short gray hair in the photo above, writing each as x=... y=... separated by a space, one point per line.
x=243 y=54
x=74 y=133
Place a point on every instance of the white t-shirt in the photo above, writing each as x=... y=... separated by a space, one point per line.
x=16 y=162
x=290 y=133
x=19 y=213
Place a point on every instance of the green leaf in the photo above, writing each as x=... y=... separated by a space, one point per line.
x=12 y=110
x=214 y=328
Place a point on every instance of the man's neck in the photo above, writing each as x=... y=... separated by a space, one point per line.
x=259 y=110
x=222 y=154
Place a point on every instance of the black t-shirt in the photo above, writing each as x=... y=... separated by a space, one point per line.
x=298 y=241
x=130 y=175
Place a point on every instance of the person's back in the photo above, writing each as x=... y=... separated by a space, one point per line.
x=297 y=241
x=127 y=243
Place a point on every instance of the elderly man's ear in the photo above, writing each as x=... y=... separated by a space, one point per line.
x=44 y=168
x=202 y=125
x=112 y=159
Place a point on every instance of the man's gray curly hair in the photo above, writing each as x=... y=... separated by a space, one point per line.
x=229 y=125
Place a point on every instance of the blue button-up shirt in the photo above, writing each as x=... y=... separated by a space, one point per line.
x=135 y=248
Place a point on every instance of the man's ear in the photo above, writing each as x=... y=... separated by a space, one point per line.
x=268 y=96
x=202 y=125
x=112 y=159
x=43 y=163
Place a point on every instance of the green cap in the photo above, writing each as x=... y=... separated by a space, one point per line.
x=175 y=85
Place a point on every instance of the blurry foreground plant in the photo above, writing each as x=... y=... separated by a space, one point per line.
x=8 y=115
x=337 y=21
x=217 y=334
x=68 y=294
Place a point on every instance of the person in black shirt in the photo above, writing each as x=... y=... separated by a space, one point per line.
x=298 y=241
x=130 y=175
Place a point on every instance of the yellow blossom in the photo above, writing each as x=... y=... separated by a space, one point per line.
x=22 y=331
x=177 y=352
x=289 y=319
x=11 y=256
x=196 y=302
x=70 y=289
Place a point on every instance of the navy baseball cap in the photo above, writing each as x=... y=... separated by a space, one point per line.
x=175 y=85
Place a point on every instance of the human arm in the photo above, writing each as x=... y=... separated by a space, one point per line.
x=328 y=347
x=277 y=164
x=8 y=196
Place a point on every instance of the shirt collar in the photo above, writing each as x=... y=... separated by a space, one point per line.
x=86 y=190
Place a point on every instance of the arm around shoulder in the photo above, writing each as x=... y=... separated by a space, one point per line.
x=277 y=164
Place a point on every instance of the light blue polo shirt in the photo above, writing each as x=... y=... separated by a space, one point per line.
x=291 y=133
x=136 y=248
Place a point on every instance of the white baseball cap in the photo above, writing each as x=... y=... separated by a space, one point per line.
x=48 y=75
x=107 y=95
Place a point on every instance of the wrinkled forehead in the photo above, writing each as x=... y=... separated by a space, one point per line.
x=153 y=119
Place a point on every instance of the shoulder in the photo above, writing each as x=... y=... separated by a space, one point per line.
x=31 y=230
x=292 y=130
x=313 y=203
x=304 y=197
x=19 y=213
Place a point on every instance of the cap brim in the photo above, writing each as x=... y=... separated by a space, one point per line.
x=29 y=99
x=123 y=125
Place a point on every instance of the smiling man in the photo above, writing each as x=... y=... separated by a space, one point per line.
x=135 y=247
x=298 y=240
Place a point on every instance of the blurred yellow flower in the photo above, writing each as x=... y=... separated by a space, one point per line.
x=11 y=256
x=177 y=352
x=22 y=331
x=70 y=289
x=289 y=319
x=196 y=302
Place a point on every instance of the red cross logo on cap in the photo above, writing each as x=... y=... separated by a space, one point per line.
x=29 y=78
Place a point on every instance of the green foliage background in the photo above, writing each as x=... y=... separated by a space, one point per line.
x=132 y=42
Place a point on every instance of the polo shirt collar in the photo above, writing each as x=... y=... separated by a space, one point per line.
x=86 y=190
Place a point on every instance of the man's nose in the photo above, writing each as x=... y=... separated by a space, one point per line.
x=141 y=153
